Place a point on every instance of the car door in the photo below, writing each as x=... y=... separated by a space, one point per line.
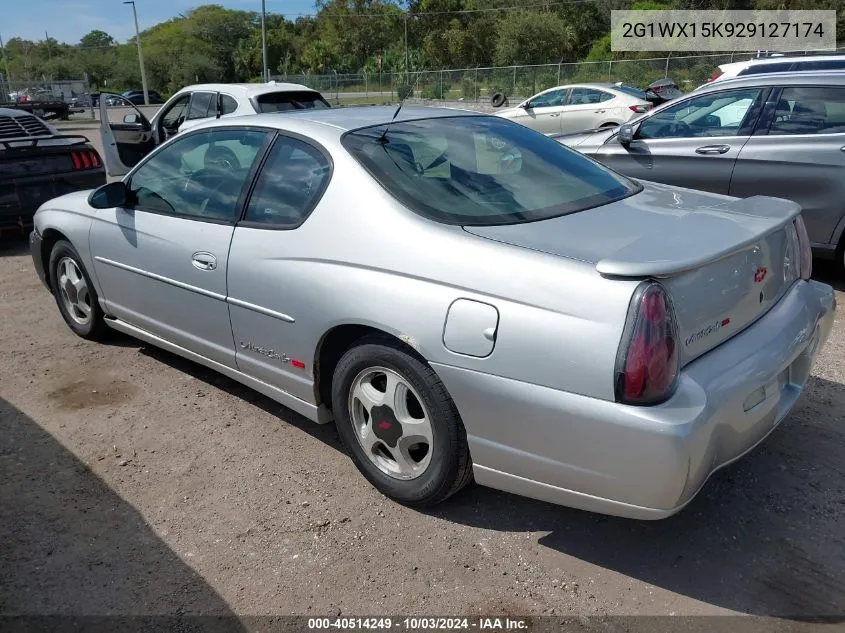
x=172 y=114
x=269 y=296
x=125 y=142
x=691 y=143
x=585 y=109
x=542 y=112
x=798 y=153
x=162 y=259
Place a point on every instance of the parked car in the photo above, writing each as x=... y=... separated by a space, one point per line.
x=777 y=64
x=136 y=97
x=780 y=134
x=38 y=163
x=577 y=107
x=133 y=138
x=462 y=295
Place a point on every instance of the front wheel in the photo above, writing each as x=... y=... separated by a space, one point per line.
x=74 y=292
x=399 y=423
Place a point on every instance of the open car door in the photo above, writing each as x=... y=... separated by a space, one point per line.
x=125 y=142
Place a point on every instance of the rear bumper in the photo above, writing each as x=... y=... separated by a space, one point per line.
x=644 y=462
x=21 y=197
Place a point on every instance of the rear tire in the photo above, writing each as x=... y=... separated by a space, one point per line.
x=399 y=423
x=74 y=293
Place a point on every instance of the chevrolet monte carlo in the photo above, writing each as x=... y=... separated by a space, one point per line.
x=464 y=297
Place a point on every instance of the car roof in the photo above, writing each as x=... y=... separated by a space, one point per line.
x=341 y=119
x=248 y=89
x=13 y=112
x=780 y=60
x=785 y=78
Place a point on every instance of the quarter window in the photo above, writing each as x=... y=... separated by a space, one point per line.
x=290 y=184
x=200 y=176
x=730 y=113
x=229 y=105
x=814 y=110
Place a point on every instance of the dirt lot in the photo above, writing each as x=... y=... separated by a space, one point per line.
x=132 y=481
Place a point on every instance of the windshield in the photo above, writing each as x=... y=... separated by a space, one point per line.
x=291 y=100
x=483 y=170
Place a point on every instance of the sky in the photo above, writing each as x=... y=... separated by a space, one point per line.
x=68 y=20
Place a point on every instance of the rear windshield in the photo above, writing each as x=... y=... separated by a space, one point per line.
x=634 y=92
x=483 y=170
x=284 y=101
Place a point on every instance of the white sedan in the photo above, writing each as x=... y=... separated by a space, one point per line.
x=579 y=107
x=127 y=142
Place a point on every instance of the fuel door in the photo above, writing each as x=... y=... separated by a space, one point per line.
x=471 y=328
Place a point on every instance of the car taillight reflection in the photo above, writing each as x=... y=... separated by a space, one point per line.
x=647 y=366
x=639 y=109
x=85 y=159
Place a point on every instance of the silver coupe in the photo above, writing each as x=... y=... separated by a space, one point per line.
x=463 y=296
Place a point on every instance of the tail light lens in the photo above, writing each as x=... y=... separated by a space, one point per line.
x=715 y=76
x=85 y=159
x=639 y=109
x=647 y=365
x=805 y=251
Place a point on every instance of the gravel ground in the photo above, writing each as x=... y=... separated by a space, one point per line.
x=132 y=481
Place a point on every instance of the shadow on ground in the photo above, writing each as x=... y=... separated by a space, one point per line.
x=70 y=546
x=764 y=537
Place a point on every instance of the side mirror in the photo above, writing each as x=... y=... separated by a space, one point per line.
x=626 y=134
x=525 y=105
x=132 y=118
x=113 y=194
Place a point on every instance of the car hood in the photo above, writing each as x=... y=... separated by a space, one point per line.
x=660 y=231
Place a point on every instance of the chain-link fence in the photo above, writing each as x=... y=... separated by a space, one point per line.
x=48 y=98
x=516 y=82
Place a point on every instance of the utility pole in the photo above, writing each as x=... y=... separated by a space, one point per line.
x=407 y=63
x=140 y=53
x=264 y=42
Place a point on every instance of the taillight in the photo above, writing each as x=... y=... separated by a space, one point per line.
x=647 y=365
x=715 y=76
x=805 y=251
x=639 y=109
x=85 y=159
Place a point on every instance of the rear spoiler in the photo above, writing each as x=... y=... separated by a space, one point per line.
x=653 y=256
x=72 y=140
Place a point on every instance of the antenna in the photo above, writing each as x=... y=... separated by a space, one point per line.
x=383 y=138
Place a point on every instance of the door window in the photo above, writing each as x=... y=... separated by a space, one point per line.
x=200 y=176
x=811 y=110
x=730 y=113
x=290 y=185
x=201 y=102
x=175 y=114
x=582 y=96
x=550 y=99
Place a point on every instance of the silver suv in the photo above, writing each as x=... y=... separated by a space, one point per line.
x=779 y=135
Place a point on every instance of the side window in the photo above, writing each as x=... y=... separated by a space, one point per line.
x=290 y=185
x=730 y=113
x=821 y=64
x=174 y=116
x=815 y=110
x=200 y=104
x=199 y=176
x=229 y=104
x=550 y=99
x=582 y=96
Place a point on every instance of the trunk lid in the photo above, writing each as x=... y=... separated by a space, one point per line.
x=724 y=261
